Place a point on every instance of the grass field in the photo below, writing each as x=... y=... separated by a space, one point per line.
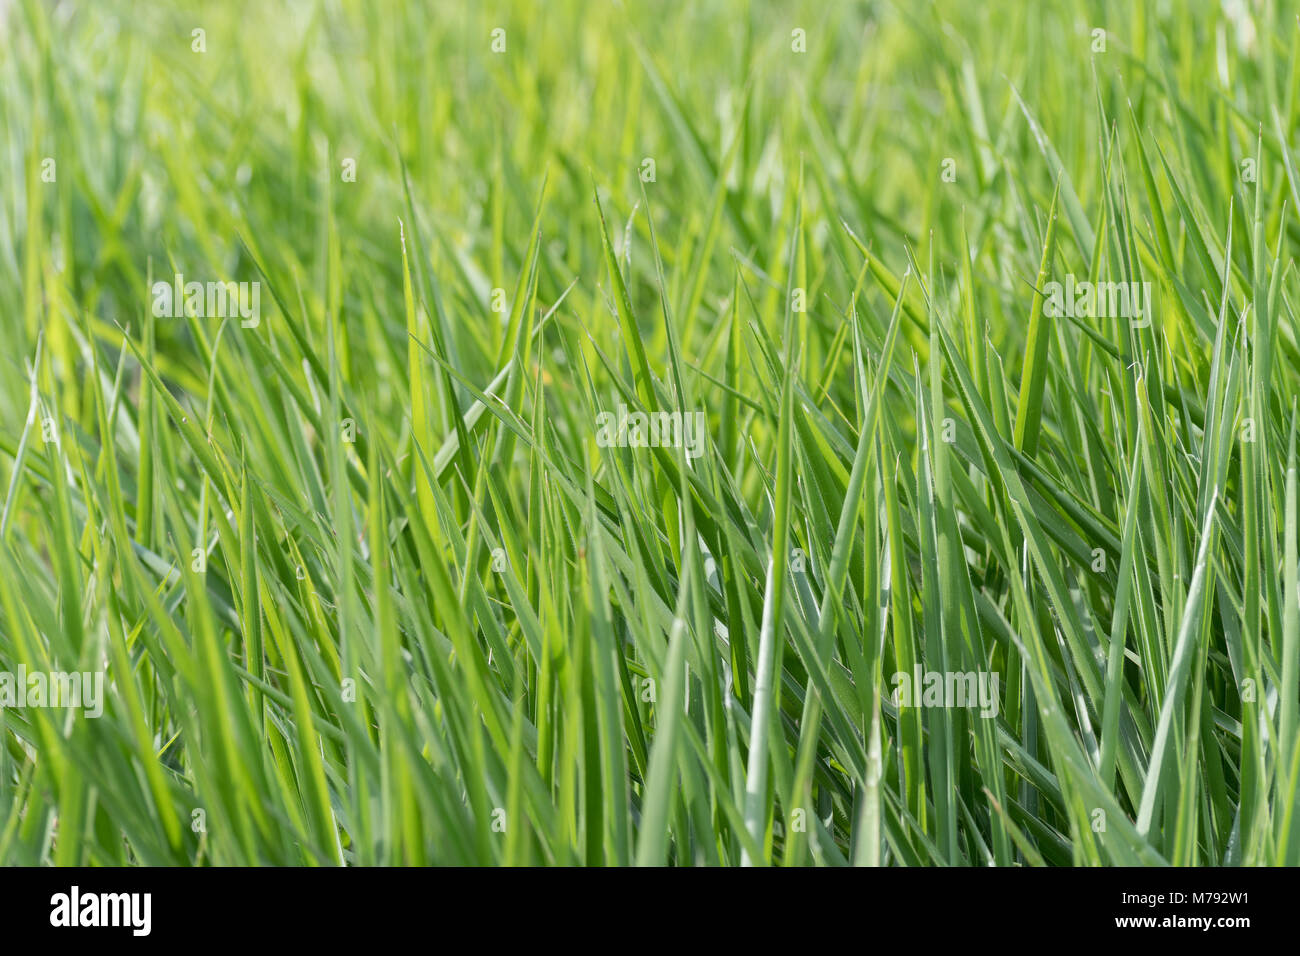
x=720 y=433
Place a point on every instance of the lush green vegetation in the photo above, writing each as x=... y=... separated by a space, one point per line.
x=367 y=588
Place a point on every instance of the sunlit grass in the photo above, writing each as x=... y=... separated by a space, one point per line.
x=366 y=586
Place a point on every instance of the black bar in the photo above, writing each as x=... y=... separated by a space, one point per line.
x=336 y=907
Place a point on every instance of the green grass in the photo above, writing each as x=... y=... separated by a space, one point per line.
x=368 y=590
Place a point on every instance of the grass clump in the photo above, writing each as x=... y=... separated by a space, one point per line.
x=952 y=518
